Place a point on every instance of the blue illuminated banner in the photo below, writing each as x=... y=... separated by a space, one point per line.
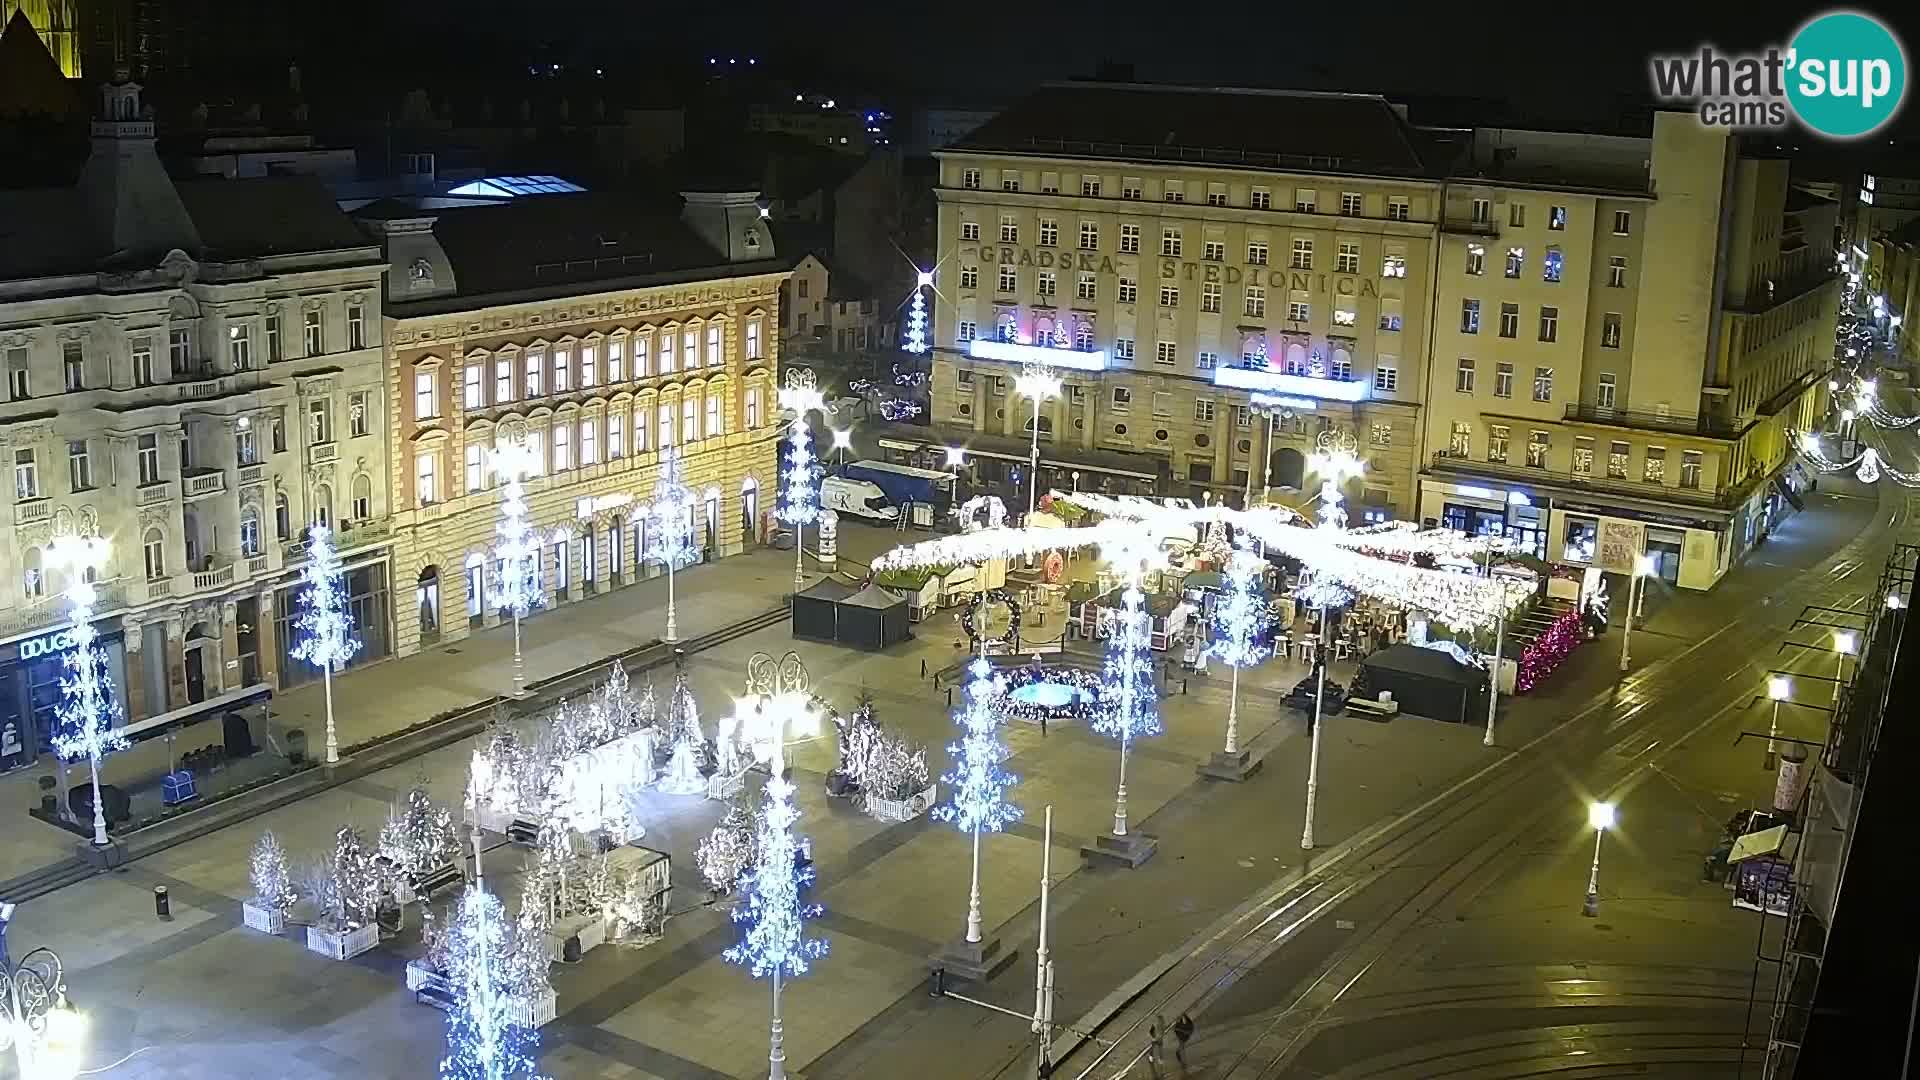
x=1279 y=382
x=1015 y=353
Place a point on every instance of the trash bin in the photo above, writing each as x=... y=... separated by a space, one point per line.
x=161 y=905
x=296 y=746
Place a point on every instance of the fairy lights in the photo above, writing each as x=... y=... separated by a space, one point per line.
x=1239 y=618
x=325 y=625
x=88 y=710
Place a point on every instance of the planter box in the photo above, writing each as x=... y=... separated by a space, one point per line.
x=404 y=893
x=489 y=819
x=421 y=977
x=903 y=809
x=265 y=920
x=537 y=1010
x=343 y=944
x=725 y=787
x=589 y=930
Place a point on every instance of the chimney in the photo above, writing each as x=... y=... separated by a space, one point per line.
x=731 y=222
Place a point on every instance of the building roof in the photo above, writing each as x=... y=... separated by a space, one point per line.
x=1799 y=199
x=268 y=215
x=30 y=78
x=1351 y=133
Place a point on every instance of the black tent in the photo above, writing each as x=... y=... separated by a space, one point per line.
x=813 y=610
x=871 y=619
x=1426 y=682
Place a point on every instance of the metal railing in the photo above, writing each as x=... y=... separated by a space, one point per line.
x=1677 y=423
x=1444 y=461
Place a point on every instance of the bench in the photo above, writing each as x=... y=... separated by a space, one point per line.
x=1383 y=708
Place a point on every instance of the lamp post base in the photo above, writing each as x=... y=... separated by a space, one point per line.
x=1129 y=851
x=1235 y=766
x=972 y=961
x=1591 y=906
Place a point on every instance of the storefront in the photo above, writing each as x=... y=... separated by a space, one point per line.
x=30 y=672
x=368 y=603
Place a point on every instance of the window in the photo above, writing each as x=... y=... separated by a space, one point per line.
x=1510 y=320
x=426 y=486
x=1393 y=264
x=1503 y=380
x=1463 y=376
x=1497 y=436
x=1582 y=456
x=1129 y=290
x=502 y=381
x=1132 y=188
x=1342 y=367
x=1256 y=298
x=1654 y=470
x=246 y=449
x=1616 y=271
x=616 y=350
x=536 y=363
x=1009 y=181
x=1398 y=208
x=1083 y=337
x=1174 y=191
x=589 y=440
x=666 y=426
x=1302 y=253
x=1170 y=242
x=967 y=330
x=1009 y=229
x=1303 y=201
x=753 y=339
x=250 y=532
x=476 y=467
x=1603 y=394
x=143 y=361
x=1086 y=286
x=1047 y=283
x=154 y=549
x=73 y=366
x=1129 y=239
x=1090 y=187
x=1206 y=361
x=275 y=353
x=1516 y=261
x=1469 y=316
x=356 y=326
x=1610 y=330
x=562 y=446
x=1203 y=410
x=753 y=408
x=669 y=354
x=1166 y=352
x=1386 y=378
x=1622 y=222
x=473 y=385
x=1345 y=316
x=1162 y=404
x=1122 y=399
x=1617 y=460
x=1169 y=296
x=314 y=336
x=1210 y=296
x=1257 y=253
x=1348 y=260
x=969 y=277
x=1123 y=349
x=970 y=179
x=1299 y=311
x=616 y=434
x=1517 y=215
x=1476 y=259
x=1009 y=278
x=1543 y=384
x=590 y=368
x=1537 y=444
x=320 y=421
x=1049 y=232
x=969 y=231
x=1550 y=271
x=19 y=375
x=1380 y=434
x=1390 y=318
x=79 y=465
x=282 y=518
x=1216 y=195
x=423 y=406
x=358 y=408
x=1089 y=236
x=1556 y=218
x=1690 y=469
x=1050 y=183
x=1216 y=251
x=1549 y=324
x=148 y=454
x=1242 y=416
x=1482 y=211
x=179 y=352
x=1260 y=199
x=1460 y=440
x=641 y=346
x=1350 y=203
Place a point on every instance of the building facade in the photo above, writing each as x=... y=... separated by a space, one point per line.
x=193 y=373
x=1228 y=278
x=667 y=339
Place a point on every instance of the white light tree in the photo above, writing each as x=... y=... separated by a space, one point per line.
x=977 y=782
x=267 y=873
x=917 y=315
x=1130 y=707
x=325 y=626
x=687 y=743
x=516 y=585
x=800 y=488
x=89 y=713
x=485 y=1040
x=1239 y=618
x=670 y=533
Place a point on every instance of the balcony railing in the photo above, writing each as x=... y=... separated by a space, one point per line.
x=1468 y=226
x=155 y=493
x=213 y=579
x=1706 y=426
x=32 y=511
x=320 y=453
x=257 y=565
x=1444 y=461
x=252 y=474
x=159 y=588
x=209 y=482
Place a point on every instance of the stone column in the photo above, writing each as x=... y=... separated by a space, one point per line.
x=176 y=659
x=266 y=636
x=227 y=678
x=138 y=707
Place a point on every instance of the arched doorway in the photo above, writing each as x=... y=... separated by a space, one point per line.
x=616 y=549
x=1289 y=468
x=476 y=589
x=713 y=522
x=749 y=512
x=200 y=661
x=426 y=596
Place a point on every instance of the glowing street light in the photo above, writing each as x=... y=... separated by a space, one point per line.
x=842 y=442
x=1600 y=816
x=1642 y=567
x=1843 y=646
x=1779 y=689
x=956 y=457
x=1037 y=382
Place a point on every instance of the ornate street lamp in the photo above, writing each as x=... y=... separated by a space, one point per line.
x=41 y=1025
x=1037 y=382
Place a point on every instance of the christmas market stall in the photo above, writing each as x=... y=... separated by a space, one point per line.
x=814 y=610
x=1428 y=682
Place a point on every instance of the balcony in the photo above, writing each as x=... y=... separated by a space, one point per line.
x=1722 y=498
x=252 y=474
x=1704 y=426
x=356 y=535
x=203 y=482
x=320 y=453
x=159 y=588
x=155 y=493
x=1468 y=226
x=218 y=578
x=32 y=511
x=257 y=565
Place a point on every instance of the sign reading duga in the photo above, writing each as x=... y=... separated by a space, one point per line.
x=1620 y=543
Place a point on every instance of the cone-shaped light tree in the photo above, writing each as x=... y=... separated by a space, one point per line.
x=977 y=782
x=89 y=713
x=485 y=1040
x=516 y=583
x=325 y=627
x=1239 y=618
x=670 y=530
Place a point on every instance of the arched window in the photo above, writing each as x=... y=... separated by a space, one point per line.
x=33 y=581
x=1296 y=359
x=749 y=511
x=250 y=530
x=616 y=547
x=282 y=517
x=476 y=589
x=154 y=548
x=426 y=594
x=362 y=498
x=322 y=505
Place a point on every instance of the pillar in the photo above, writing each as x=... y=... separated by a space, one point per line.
x=267 y=638
x=138 y=707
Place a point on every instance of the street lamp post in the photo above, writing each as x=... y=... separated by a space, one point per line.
x=88 y=710
x=516 y=586
x=1335 y=461
x=802 y=505
x=1843 y=646
x=1779 y=688
x=42 y=1026
x=842 y=442
x=1600 y=816
x=1037 y=383
x=1642 y=566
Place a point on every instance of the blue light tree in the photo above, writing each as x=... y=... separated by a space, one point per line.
x=976 y=781
x=670 y=531
x=325 y=626
x=88 y=710
x=516 y=585
x=1239 y=618
x=485 y=1039
x=1130 y=708
x=917 y=315
x=800 y=489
